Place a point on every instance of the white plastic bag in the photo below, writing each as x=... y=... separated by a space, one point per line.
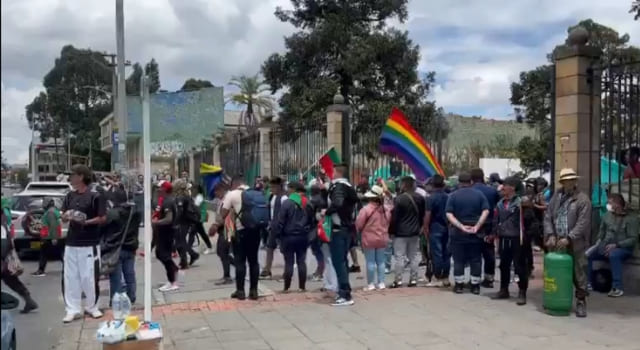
x=111 y=332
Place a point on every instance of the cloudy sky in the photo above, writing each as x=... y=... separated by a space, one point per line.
x=476 y=47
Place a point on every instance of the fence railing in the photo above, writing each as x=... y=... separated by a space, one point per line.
x=296 y=148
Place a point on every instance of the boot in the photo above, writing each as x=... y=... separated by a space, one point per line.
x=29 y=305
x=253 y=294
x=458 y=288
x=581 y=308
x=522 y=297
x=475 y=288
x=238 y=294
x=501 y=295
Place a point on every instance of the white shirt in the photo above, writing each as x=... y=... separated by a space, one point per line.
x=233 y=200
x=272 y=204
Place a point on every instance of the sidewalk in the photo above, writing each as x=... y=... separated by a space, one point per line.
x=201 y=316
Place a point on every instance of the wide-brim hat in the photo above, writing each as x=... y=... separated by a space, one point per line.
x=375 y=192
x=568 y=174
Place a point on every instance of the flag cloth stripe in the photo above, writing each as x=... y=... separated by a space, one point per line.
x=211 y=176
x=400 y=139
x=328 y=161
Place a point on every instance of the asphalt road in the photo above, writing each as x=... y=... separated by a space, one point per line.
x=40 y=330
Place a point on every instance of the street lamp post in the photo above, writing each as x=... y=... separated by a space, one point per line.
x=121 y=90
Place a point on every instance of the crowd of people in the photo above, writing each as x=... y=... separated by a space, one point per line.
x=398 y=223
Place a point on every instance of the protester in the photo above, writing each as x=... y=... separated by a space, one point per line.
x=319 y=202
x=488 y=247
x=201 y=206
x=52 y=225
x=467 y=210
x=633 y=160
x=567 y=227
x=540 y=200
x=9 y=277
x=163 y=223
x=617 y=239
x=389 y=187
x=276 y=199
x=513 y=241
x=223 y=245
x=292 y=227
x=437 y=232
x=342 y=203
x=185 y=221
x=85 y=210
x=246 y=241
x=373 y=223
x=128 y=244
x=405 y=227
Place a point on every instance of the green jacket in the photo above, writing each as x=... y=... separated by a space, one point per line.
x=621 y=230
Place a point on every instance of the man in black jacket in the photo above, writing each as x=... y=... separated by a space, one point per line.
x=405 y=227
x=276 y=199
x=342 y=204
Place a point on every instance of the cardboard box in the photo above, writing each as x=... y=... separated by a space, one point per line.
x=152 y=344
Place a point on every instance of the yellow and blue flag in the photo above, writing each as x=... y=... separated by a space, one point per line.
x=211 y=176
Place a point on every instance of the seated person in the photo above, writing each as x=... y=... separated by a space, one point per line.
x=616 y=240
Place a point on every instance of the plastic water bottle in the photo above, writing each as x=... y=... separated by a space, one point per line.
x=116 y=306
x=125 y=305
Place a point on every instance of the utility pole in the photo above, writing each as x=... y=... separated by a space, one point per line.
x=114 y=99
x=121 y=89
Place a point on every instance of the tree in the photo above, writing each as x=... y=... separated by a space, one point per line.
x=251 y=96
x=193 y=84
x=635 y=8
x=77 y=98
x=346 y=47
x=5 y=164
x=47 y=124
x=531 y=95
x=22 y=176
x=152 y=70
x=133 y=81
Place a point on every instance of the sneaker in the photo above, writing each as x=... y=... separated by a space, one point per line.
x=265 y=275
x=253 y=294
x=207 y=251
x=396 y=285
x=516 y=279
x=434 y=284
x=615 y=293
x=354 y=269
x=369 y=288
x=381 y=286
x=412 y=283
x=581 y=308
x=502 y=294
x=94 y=313
x=168 y=287
x=223 y=281
x=68 y=318
x=343 y=302
x=522 y=298
x=39 y=273
x=590 y=287
x=194 y=258
x=446 y=283
x=29 y=305
x=387 y=270
x=458 y=288
x=316 y=278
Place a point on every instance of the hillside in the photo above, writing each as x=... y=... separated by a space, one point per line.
x=467 y=131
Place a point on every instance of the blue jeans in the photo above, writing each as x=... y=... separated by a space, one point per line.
x=125 y=269
x=440 y=253
x=615 y=258
x=388 y=255
x=375 y=258
x=339 y=246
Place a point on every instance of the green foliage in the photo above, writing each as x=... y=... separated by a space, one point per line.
x=22 y=176
x=76 y=98
x=133 y=81
x=348 y=47
x=151 y=69
x=193 y=84
x=635 y=9
x=250 y=95
x=531 y=95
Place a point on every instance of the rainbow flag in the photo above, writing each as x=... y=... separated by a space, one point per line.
x=400 y=139
x=211 y=176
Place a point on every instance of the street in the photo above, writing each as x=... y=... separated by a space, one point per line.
x=201 y=316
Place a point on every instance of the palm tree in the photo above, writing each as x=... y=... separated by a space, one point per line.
x=252 y=97
x=635 y=9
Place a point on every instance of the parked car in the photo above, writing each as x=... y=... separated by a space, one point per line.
x=26 y=217
x=8 y=340
x=62 y=187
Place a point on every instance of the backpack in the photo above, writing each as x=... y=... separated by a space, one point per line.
x=255 y=210
x=191 y=212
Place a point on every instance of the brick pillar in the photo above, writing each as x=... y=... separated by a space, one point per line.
x=335 y=114
x=192 y=166
x=577 y=112
x=265 y=150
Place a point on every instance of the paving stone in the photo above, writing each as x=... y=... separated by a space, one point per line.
x=281 y=334
x=292 y=344
x=319 y=333
x=226 y=320
x=255 y=344
x=189 y=333
x=235 y=335
x=209 y=343
x=343 y=345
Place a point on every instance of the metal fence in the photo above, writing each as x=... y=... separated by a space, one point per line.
x=619 y=113
x=296 y=148
x=241 y=156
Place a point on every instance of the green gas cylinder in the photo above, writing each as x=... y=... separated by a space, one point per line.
x=557 y=297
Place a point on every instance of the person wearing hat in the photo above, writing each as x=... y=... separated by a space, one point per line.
x=163 y=222
x=467 y=210
x=514 y=244
x=567 y=227
x=373 y=222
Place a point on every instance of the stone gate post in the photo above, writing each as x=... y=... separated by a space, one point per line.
x=335 y=131
x=577 y=110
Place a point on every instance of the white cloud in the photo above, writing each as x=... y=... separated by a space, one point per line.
x=216 y=39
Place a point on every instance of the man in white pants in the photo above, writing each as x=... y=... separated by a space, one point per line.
x=85 y=210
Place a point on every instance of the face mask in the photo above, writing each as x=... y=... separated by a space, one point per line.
x=609 y=207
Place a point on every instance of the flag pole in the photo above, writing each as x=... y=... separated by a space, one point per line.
x=315 y=162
